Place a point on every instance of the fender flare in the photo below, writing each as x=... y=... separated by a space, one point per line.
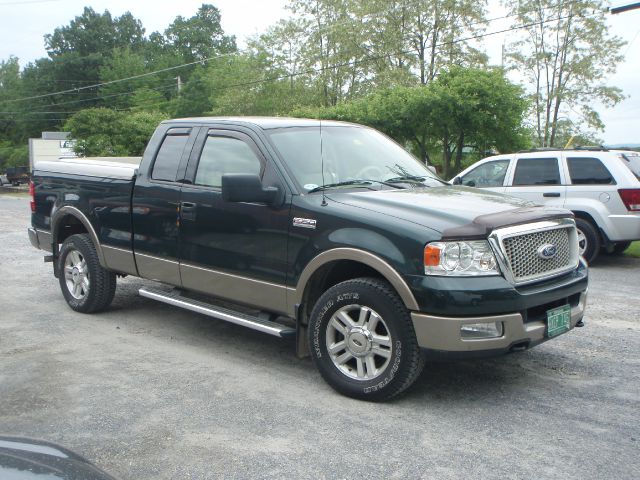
x=361 y=256
x=82 y=218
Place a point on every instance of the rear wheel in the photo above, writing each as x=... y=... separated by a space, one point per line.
x=362 y=340
x=86 y=285
x=620 y=247
x=588 y=240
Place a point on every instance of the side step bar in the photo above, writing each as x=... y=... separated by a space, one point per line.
x=255 y=323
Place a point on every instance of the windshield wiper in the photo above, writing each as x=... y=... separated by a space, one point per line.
x=360 y=182
x=412 y=178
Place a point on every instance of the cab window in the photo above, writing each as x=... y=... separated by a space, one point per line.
x=490 y=174
x=588 y=171
x=168 y=158
x=536 y=171
x=222 y=155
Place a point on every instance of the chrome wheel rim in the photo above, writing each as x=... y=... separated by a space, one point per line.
x=582 y=242
x=359 y=342
x=76 y=275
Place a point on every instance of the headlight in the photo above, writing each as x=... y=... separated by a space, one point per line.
x=472 y=258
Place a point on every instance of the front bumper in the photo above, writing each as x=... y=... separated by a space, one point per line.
x=442 y=334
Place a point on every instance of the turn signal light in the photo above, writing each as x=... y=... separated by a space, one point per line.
x=432 y=256
x=631 y=198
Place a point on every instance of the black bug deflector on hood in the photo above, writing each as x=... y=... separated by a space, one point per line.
x=483 y=225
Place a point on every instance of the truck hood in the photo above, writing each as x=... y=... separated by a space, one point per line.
x=453 y=211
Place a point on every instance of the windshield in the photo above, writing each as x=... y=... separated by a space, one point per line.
x=350 y=154
x=632 y=161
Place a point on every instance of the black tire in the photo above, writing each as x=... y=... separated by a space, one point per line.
x=620 y=247
x=100 y=287
x=590 y=239
x=391 y=374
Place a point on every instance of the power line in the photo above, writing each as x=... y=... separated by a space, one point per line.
x=27 y=2
x=378 y=57
x=76 y=90
x=334 y=66
x=625 y=8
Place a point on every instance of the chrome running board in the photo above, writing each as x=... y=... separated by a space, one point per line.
x=262 y=325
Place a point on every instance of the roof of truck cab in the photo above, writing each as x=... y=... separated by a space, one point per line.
x=262 y=122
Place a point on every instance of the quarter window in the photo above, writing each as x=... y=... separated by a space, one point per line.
x=168 y=159
x=222 y=155
x=588 y=171
x=632 y=162
x=537 y=171
x=490 y=174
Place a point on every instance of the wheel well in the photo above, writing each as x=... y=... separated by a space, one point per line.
x=329 y=275
x=67 y=226
x=585 y=216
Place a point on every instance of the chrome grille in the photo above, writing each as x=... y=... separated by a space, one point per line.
x=521 y=246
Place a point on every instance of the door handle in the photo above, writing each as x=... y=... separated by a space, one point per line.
x=551 y=194
x=188 y=210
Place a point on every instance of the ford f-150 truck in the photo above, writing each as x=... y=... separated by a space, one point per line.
x=326 y=231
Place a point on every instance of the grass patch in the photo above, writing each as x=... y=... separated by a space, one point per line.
x=633 y=250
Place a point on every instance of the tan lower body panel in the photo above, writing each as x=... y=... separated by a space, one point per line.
x=156 y=268
x=264 y=295
x=119 y=260
x=443 y=333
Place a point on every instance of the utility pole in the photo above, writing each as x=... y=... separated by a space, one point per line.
x=179 y=83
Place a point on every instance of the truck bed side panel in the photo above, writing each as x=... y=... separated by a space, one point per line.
x=104 y=202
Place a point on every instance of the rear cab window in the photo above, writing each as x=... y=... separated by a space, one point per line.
x=167 y=161
x=536 y=171
x=588 y=171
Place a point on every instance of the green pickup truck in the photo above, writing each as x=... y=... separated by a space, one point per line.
x=328 y=232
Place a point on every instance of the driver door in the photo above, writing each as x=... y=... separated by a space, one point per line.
x=232 y=250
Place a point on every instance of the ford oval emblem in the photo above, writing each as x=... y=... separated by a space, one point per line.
x=547 y=251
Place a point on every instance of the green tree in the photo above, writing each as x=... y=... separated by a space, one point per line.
x=424 y=37
x=94 y=32
x=478 y=109
x=9 y=90
x=566 y=55
x=200 y=36
x=105 y=132
x=461 y=109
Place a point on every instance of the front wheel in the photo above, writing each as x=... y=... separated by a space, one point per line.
x=86 y=285
x=588 y=240
x=362 y=340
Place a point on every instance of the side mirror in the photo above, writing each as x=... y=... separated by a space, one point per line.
x=457 y=181
x=246 y=187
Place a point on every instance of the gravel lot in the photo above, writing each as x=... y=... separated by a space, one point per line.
x=147 y=391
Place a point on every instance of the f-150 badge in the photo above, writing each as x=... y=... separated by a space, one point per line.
x=304 y=222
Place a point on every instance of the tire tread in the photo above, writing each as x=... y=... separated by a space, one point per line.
x=103 y=281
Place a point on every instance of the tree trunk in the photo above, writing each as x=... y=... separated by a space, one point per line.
x=459 y=148
x=446 y=155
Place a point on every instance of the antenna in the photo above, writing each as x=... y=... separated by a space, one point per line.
x=324 y=199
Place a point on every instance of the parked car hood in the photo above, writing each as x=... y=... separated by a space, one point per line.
x=451 y=210
x=29 y=459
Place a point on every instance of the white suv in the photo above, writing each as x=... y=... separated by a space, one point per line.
x=600 y=186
